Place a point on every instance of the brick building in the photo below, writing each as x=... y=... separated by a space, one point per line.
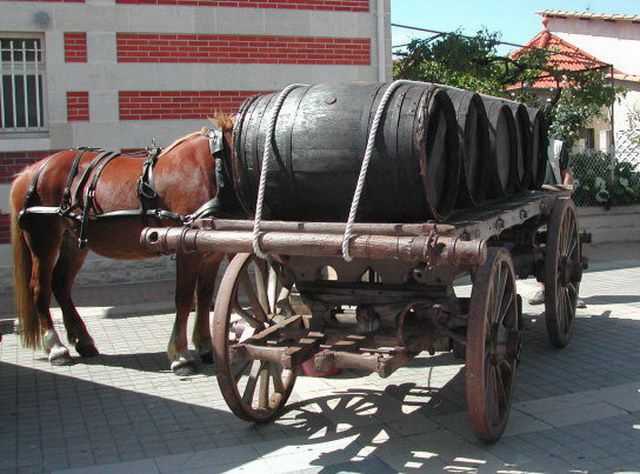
x=117 y=73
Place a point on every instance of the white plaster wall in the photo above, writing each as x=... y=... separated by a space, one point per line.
x=103 y=77
x=618 y=224
x=99 y=271
x=627 y=104
x=614 y=42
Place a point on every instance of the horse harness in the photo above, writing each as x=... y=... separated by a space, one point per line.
x=83 y=208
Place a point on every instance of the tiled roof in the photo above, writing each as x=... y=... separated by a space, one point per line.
x=565 y=56
x=589 y=15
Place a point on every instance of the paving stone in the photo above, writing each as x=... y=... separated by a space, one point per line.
x=124 y=411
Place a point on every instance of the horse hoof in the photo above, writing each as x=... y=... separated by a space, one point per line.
x=87 y=350
x=207 y=357
x=185 y=370
x=62 y=359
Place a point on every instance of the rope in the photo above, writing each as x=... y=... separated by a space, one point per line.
x=365 y=164
x=268 y=151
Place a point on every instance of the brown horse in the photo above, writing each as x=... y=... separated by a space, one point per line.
x=47 y=256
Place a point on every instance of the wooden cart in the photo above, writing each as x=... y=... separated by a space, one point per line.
x=394 y=300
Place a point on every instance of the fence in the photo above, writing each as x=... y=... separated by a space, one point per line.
x=608 y=179
x=628 y=146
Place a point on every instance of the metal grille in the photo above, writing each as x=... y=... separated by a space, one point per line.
x=628 y=146
x=604 y=179
x=21 y=91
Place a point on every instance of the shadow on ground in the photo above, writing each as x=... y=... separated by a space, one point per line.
x=410 y=424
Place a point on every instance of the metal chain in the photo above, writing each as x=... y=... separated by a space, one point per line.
x=365 y=164
x=268 y=151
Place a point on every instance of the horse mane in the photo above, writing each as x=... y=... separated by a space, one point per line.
x=222 y=120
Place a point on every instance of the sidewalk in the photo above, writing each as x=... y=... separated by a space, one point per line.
x=576 y=409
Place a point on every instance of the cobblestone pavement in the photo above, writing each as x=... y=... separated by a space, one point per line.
x=575 y=410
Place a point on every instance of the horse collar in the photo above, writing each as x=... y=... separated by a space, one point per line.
x=216 y=143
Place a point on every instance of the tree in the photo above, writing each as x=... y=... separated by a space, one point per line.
x=472 y=62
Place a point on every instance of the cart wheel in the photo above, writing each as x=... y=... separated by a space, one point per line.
x=254 y=390
x=562 y=272
x=493 y=345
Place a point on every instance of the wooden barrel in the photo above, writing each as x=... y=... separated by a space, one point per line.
x=539 y=146
x=319 y=142
x=523 y=158
x=503 y=144
x=473 y=130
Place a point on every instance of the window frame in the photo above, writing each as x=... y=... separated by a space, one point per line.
x=35 y=68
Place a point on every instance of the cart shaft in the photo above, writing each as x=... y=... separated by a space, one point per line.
x=434 y=249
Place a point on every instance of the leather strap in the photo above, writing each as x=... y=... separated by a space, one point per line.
x=146 y=190
x=98 y=164
x=30 y=196
x=66 y=194
x=33 y=187
x=87 y=173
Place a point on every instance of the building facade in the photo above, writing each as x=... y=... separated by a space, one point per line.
x=609 y=39
x=119 y=73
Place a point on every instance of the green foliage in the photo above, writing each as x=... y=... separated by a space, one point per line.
x=468 y=62
x=473 y=63
x=594 y=184
x=586 y=95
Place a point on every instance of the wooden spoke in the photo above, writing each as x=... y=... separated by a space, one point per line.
x=240 y=311
x=254 y=301
x=254 y=390
x=490 y=366
x=562 y=256
x=273 y=290
x=240 y=371
x=573 y=243
x=263 y=395
x=261 y=272
x=250 y=388
x=276 y=375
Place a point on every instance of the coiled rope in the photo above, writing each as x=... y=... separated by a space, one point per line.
x=268 y=151
x=371 y=140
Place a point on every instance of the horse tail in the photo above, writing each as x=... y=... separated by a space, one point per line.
x=31 y=328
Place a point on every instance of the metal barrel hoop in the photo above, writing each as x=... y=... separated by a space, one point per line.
x=362 y=176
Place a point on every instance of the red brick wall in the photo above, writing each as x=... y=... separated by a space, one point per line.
x=77 y=106
x=75 y=47
x=154 y=48
x=5 y=233
x=179 y=105
x=335 y=5
x=12 y=162
x=48 y=1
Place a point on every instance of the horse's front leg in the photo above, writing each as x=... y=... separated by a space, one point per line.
x=182 y=362
x=205 y=289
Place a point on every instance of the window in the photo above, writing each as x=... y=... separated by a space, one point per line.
x=21 y=96
x=589 y=137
